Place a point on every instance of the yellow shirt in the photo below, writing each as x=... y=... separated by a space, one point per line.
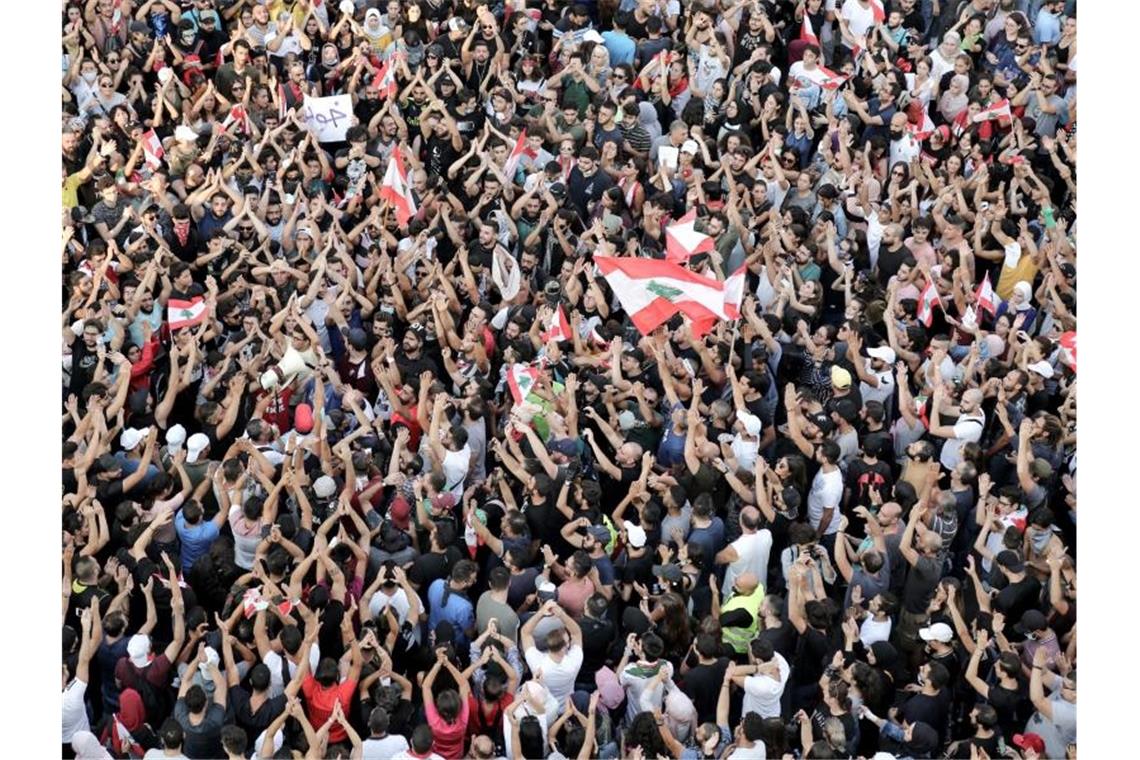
x=71 y=190
x=1025 y=269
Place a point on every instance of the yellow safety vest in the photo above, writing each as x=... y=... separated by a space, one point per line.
x=740 y=638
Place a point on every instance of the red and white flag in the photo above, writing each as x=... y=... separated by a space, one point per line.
x=923 y=130
x=878 y=12
x=1068 y=343
x=237 y=114
x=824 y=77
x=557 y=326
x=386 y=79
x=682 y=241
x=652 y=291
x=734 y=292
x=520 y=379
x=927 y=300
x=152 y=149
x=807 y=31
x=999 y=111
x=181 y=313
x=282 y=105
x=985 y=297
x=396 y=190
x=517 y=153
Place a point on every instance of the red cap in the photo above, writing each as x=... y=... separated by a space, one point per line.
x=443 y=501
x=1029 y=741
x=303 y=418
x=943 y=132
x=400 y=513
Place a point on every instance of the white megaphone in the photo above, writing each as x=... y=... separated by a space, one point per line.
x=283 y=372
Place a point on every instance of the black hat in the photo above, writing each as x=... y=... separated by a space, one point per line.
x=357 y=338
x=1031 y=620
x=670 y=573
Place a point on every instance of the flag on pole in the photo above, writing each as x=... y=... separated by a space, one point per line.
x=282 y=105
x=520 y=379
x=927 y=300
x=557 y=326
x=734 y=292
x=682 y=241
x=395 y=189
x=516 y=156
x=878 y=12
x=152 y=149
x=181 y=313
x=985 y=297
x=652 y=291
x=807 y=31
x=386 y=79
x=999 y=111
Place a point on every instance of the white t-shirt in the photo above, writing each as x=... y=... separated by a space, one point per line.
x=273 y=662
x=752 y=550
x=382 y=749
x=859 y=19
x=762 y=692
x=872 y=630
x=455 y=466
x=826 y=491
x=398 y=601
x=884 y=392
x=558 y=677
x=905 y=149
x=74 y=711
x=968 y=429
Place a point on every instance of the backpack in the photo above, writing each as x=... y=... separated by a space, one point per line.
x=156 y=702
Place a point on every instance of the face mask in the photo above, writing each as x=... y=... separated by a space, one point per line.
x=1040 y=540
x=90 y=76
x=896 y=134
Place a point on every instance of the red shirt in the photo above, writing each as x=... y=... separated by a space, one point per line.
x=449 y=737
x=320 y=700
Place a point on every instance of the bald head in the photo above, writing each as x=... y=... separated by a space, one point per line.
x=889 y=514
x=746 y=583
x=750 y=519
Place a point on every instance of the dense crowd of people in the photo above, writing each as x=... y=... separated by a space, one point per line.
x=366 y=455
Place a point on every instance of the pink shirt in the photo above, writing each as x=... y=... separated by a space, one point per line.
x=449 y=737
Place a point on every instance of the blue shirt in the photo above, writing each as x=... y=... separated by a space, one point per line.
x=458 y=611
x=1048 y=28
x=621 y=47
x=196 y=539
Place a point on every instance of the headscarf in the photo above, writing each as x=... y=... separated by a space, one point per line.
x=125 y=722
x=1026 y=291
x=87 y=747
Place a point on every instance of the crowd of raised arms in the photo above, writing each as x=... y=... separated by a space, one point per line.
x=529 y=379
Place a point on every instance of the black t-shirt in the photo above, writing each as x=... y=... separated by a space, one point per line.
x=83 y=363
x=921 y=580
x=890 y=262
x=813 y=650
x=702 y=685
x=431 y=566
x=1016 y=598
x=597 y=636
x=931 y=710
x=253 y=722
x=440 y=155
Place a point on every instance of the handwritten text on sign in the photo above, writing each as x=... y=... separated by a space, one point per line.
x=329 y=118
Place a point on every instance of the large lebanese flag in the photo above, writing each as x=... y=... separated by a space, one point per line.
x=181 y=313
x=1068 y=343
x=734 y=292
x=999 y=111
x=682 y=241
x=878 y=12
x=386 y=80
x=396 y=190
x=520 y=379
x=652 y=291
x=824 y=77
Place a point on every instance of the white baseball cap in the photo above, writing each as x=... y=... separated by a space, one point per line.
x=130 y=439
x=752 y=424
x=937 y=632
x=635 y=534
x=175 y=437
x=882 y=353
x=1045 y=369
x=195 y=446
